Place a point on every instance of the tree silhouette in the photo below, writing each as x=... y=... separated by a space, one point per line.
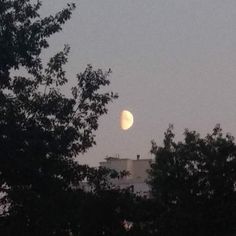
x=42 y=129
x=194 y=184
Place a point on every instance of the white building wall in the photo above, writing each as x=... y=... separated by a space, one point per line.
x=140 y=168
x=137 y=170
x=119 y=165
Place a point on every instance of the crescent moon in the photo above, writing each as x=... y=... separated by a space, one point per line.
x=126 y=120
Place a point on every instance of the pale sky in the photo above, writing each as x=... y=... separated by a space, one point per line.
x=173 y=61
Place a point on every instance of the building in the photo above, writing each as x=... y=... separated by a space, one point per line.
x=137 y=170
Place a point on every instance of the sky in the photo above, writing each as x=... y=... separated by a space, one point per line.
x=173 y=62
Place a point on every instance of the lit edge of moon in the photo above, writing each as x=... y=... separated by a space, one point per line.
x=126 y=120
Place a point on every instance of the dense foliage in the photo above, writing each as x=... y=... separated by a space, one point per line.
x=194 y=184
x=41 y=129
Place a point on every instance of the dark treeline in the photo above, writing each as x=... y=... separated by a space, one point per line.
x=193 y=182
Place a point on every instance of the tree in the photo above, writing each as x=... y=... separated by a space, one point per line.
x=41 y=129
x=111 y=211
x=106 y=208
x=194 y=184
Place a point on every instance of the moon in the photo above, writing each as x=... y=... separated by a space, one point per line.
x=126 y=120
